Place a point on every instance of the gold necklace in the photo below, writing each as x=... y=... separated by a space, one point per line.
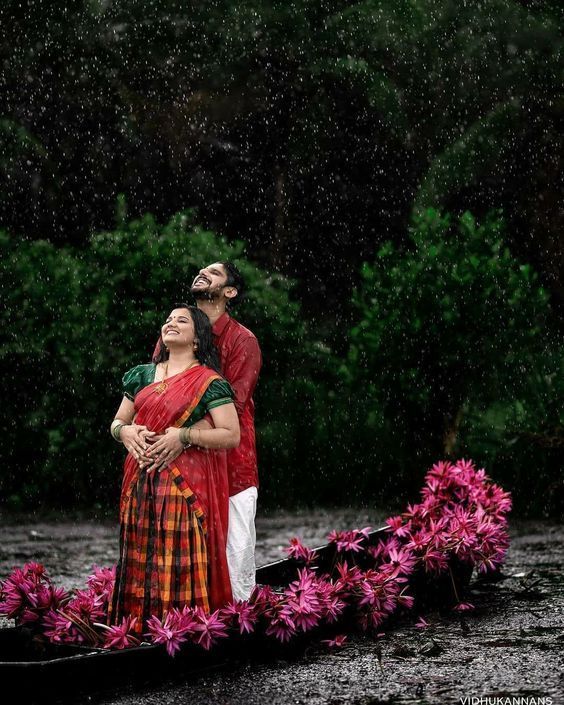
x=163 y=386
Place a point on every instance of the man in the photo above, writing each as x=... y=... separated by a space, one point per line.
x=215 y=288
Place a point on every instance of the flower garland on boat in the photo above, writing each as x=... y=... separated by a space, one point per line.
x=461 y=519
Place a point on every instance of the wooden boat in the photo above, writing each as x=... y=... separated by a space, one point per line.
x=39 y=671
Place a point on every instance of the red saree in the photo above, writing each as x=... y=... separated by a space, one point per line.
x=173 y=524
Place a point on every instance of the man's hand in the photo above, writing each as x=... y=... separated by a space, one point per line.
x=136 y=439
x=164 y=450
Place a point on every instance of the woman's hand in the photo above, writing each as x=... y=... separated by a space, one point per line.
x=165 y=449
x=136 y=439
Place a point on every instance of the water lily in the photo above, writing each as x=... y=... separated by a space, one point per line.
x=121 y=636
x=303 y=600
x=280 y=622
x=464 y=607
x=301 y=553
x=241 y=615
x=102 y=580
x=349 y=540
x=422 y=623
x=171 y=630
x=208 y=628
x=337 y=642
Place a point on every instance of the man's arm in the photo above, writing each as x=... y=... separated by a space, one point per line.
x=242 y=370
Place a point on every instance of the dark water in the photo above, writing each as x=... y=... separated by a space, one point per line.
x=512 y=645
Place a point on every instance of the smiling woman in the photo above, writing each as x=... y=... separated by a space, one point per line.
x=174 y=497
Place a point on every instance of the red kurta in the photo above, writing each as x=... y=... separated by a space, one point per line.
x=241 y=361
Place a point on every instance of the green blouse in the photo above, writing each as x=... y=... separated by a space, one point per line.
x=218 y=393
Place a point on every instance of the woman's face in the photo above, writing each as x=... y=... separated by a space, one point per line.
x=178 y=329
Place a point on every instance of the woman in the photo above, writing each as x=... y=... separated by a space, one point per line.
x=174 y=497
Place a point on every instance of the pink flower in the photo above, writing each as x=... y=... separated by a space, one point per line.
x=281 y=625
x=371 y=619
x=121 y=636
x=348 y=578
x=210 y=628
x=300 y=553
x=435 y=562
x=348 y=540
x=397 y=526
x=413 y=512
x=331 y=605
x=173 y=628
x=59 y=629
x=405 y=600
x=402 y=561
x=35 y=570
x=101 y=581
x=337 y=642
x=422 y=623
x=262 y=596
x=240 y=615
x=464 y=607
x=303 y=600
x=16 y=590
x=466 y=466
x=27 y=594
x=462 y=514
x=418 y=541
x=87 y=606
x=441 y=470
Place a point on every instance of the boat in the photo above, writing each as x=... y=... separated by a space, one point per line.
x=40 y=671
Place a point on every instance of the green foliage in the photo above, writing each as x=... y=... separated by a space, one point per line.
x=310 y=118
x=452 y=352
x=450 y=325
x=76 y=320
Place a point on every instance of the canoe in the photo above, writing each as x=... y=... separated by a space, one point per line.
x=40 y=671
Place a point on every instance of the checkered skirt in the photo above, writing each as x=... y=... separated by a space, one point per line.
x=163 y=556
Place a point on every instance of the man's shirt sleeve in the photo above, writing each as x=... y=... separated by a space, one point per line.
x=243 y=371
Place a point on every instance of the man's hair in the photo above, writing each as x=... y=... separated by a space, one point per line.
x=235 y=279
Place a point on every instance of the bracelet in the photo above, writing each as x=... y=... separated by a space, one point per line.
x=186 y=442
x=115 y=430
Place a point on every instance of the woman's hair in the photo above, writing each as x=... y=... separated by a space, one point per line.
x=206 y=353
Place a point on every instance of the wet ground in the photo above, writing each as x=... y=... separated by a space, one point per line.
x=512 y=645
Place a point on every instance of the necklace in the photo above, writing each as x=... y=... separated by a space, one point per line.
x=163 y=386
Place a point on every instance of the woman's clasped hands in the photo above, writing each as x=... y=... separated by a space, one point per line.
x=163 y=450
x=152 y=451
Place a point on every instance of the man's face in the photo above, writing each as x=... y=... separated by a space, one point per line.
x=209 y=282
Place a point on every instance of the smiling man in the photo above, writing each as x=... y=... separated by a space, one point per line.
x=216 y=288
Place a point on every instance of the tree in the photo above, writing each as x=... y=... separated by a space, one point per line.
x=75 y=320
x=454 y=320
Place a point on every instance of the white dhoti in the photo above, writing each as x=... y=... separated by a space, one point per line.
x=241 y=540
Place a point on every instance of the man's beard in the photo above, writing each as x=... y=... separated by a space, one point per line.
x=205 y=294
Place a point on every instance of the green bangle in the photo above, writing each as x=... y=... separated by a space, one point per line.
x=116 y=432
x=185 y=442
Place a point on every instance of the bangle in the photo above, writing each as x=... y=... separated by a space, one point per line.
x=185 y=437
x=116 y=433
x=115 y=430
